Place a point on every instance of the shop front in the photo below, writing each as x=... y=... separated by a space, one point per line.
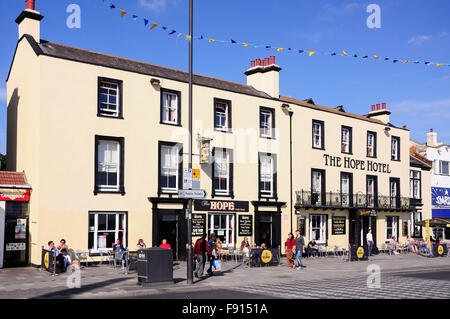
x=14 y=220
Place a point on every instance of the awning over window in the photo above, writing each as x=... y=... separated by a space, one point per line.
x=441 y=213
x=14 y=194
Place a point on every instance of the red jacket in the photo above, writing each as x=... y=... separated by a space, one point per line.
x=201 y=247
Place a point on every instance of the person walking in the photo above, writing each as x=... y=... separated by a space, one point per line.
x=369 y=239
x=212 y=255
x=290 y=248
x=299 y=248
x=201 y=248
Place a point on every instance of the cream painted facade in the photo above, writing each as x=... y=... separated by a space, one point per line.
x=53 y=121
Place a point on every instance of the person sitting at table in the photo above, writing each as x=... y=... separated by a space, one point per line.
x=411 y=244
x=164 y=244
x=59 y=258
x=141 y=245
x=312 y=248
x=64 y=250
x=222 y=252
x=393 y=245
x=119 y=249
x=245 y=247
x=263 y=246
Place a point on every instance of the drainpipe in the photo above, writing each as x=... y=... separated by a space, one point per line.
x=290 y=161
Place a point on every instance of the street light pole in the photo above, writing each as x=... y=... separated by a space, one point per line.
x=189 y=215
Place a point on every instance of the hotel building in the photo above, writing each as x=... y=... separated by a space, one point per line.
x=107 y=161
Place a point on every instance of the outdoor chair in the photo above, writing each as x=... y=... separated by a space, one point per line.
x=336 y=251
x=82 y=256
x=132 y=258
x=391 y=249
x=384 y=248
x=118 y=257
x=246 y=259
x=322 y=251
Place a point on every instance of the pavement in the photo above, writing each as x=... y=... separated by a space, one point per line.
x=400 y=276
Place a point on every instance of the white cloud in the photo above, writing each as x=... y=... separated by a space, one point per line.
x=419 y=39
x=156 y=5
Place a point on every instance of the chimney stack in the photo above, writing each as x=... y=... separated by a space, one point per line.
x=264 y=76
x=29 y=21
x=380 y=113
x=432 y=138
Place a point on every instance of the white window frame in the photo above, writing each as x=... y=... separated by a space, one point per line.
x=345 y=193
x=107 y=111
x=394 y=148
x=228 y=228
x=370 y=195
x=320 y=222
x=393 y=192
x=266 y=176
x=116 y=230
x=415 y=218
x=441 y=170
x=108 y=166
x=172 y=168
x=219 y=156
x=266 y=124
x=222 y=115
x=170 y=109
x=317 y=134
x=345 y=140
x=391 y=223
x=317 y=182
x=415 y=184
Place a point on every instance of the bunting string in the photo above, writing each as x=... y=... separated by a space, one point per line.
x=152 y=25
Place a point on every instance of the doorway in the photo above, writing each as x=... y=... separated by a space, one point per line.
x=16 y=242
x=171 y=225
x=169 y=230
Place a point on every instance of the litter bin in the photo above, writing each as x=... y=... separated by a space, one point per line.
x=359 y=253
x=155 y=266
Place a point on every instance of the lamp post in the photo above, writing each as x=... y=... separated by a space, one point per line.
x=189 y=212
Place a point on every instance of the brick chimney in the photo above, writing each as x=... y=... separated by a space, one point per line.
x=29 y=21
x=263 y=75
x=380 y=113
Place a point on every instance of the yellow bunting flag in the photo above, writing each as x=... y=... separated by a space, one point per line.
x=344 y=53
x=187 y=37
x=153 y=25
x=406 y=61
x=279 y=49
x=211 y=40
x=311 y=52
x=122 y=13
x=438 y=64
x=245 y=44
x=375 y=56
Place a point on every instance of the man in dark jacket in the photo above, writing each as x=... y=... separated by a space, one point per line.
x=201 y=248
x=299 y=248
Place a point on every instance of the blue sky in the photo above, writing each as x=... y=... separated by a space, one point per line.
x=417 y=95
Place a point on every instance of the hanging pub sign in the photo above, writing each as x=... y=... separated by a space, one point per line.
x=245 y=227
x=368 y=212
x=338 y=225
x=221 y=206
x=205 y=151
x=198 y=224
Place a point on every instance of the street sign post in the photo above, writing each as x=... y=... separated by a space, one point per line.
x=192 y=193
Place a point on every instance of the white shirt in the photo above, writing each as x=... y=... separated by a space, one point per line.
x=369 y=237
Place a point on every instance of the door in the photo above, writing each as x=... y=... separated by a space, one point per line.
x=354 y=227
x=365 y=225
x=16 y=242
x=169 y=230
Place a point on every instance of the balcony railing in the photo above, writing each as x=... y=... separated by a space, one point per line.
x=308 y=199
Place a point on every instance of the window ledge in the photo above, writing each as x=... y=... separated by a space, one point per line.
x=171 y=124
x=110 y=117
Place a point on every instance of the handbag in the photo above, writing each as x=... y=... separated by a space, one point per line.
x=217 y=265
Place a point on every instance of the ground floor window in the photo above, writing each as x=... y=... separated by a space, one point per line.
x=416 y=230
x=223 y=226
x=318 y=228
x=105 y=228
x=391 y=227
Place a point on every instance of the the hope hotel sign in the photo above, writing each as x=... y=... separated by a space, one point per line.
x=364 y=165
x=221 y=205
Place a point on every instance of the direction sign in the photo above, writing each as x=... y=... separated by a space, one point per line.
x=191 y=193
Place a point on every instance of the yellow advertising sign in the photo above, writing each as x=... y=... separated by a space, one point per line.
x=360 y=252
x=195 y=173
x=47 y=260
x=427 y=223
x=440 y=250
x=266 y=256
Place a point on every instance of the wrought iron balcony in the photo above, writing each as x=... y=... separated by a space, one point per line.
x=337 y=200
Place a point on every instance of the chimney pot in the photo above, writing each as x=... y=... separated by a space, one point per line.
x=373 y=107
x=266 y=61
x=30 y=4
x=404 y=127
x=252 y=63
x=384 y=106
x=431 y=130
x=272 y=59
x=378 y=107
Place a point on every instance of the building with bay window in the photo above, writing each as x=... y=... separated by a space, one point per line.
x=270 y=164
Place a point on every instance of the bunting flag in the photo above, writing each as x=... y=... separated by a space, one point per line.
x=154 y=25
